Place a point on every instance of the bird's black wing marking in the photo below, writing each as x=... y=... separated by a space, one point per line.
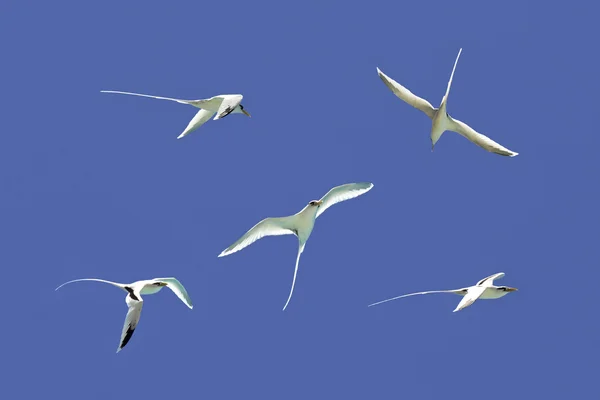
x=131 y=293
x=227 y=111
x=128 y=334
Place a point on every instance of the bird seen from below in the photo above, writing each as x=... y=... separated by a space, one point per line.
x=484 y=289
x=441 y=121
x=300 y=224
x=222 y=105
x=135 y=302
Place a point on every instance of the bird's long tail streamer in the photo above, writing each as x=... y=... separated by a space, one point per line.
x=119 y=285
x=411 y=294
x=300 y=250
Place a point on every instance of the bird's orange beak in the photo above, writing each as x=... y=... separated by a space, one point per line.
x=246 y=112
x=511 y=289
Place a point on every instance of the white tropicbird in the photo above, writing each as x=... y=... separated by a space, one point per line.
x=441 y=120
x=300 y=224
x=222 y=105
x=484 y=289
x=135 y=302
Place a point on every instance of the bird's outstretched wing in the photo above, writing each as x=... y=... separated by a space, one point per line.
x=229 y=103
x=300 y=250
x=119 y=285
x=473 y=293
x=479 y=139
x=342 y=193
x=418 y=293
x=407 y=96
x=199 y=119
x=266 y=227
x=196 y=103
x=489 y=280
x=177 y=288
x=131 y=320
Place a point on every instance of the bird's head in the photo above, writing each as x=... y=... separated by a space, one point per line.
x=315 y=203
x=160 y=284
x=508 y=289
x=244 y=111
x=435 y=136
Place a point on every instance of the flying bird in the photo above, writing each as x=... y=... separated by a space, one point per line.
x=222 y=105
x=135 y=302
x=300 y=224
x=441 y=120
x=484 y=289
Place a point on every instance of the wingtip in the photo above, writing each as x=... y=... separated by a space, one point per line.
x=369 y=186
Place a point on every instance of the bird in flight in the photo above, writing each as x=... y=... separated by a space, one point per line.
x=222 y=105
x=441 y=121
x=484 y=289
x=135 y=302
x=300 y=224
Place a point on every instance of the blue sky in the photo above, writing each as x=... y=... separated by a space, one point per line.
x=96 y=185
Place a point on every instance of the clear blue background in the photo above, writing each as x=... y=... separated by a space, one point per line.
x=96 y=185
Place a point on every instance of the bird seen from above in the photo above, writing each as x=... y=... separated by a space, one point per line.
x=484 y=289
x=441 y=121
x=300 y=224
x=222 y=105
x=135 y=302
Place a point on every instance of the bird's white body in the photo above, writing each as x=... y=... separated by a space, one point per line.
x=148 y=287
x=484 y=289
x=303 y=222
x=300 y=224
x=221 y=105
x=135 y=301
x=441 y=121
x=492 y=293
